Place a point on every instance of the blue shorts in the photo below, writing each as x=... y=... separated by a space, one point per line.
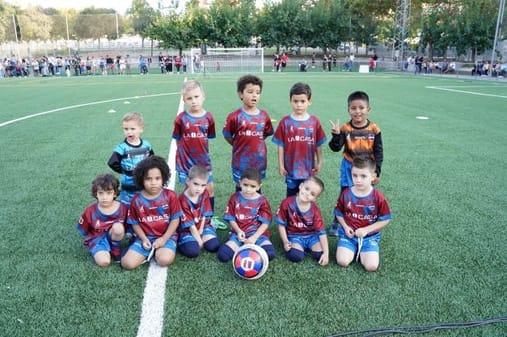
x=370 y=242
x=305 y=241
x=137 y=246
x=100 y=243
x=182 y=177
x=346 y=174
x=234 y=238
x=189 y=237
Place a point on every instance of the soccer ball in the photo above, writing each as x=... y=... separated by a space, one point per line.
x=250 y=262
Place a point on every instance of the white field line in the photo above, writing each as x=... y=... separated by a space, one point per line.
x=465 y=92
x=69 y=107
x=152 y=311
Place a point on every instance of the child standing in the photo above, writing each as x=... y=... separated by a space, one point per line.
x=362 y=211
x=300 y=223
x=358 y=137
x=102 y=223
x=154 y=215
x=196 y=231
x=299 y=137
x=247 y=128
x=192 y=129
x=249 y=216
x=129 y=153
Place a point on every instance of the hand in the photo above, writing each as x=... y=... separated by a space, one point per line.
x=349 y=232
x=335 y=126
x=250 y=240
x=287 y=246
x=159 y=243
x=282 y=171
x=324 y=259
x=361 y=232
x=375 y=180
x=146 y=244
x=241 y=236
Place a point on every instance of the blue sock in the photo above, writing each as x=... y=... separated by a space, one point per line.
x=212 y=245
x=316 y=255
x=295 y=255
x=270 y=250
x=190 y=249
x=225 y=253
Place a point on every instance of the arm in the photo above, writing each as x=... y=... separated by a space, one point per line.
x=237 y=230
x=262 y=228
x=141 y=235
x=161 y=241
x=283 y=237
x=281 y=165
x=378 y=152
x=373 y=228
x=115 y=162
x=196 y=234
x=318 y=160
x=324 y=259
x=349 y=231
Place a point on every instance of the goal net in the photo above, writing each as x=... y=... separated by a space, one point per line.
x=217 y=60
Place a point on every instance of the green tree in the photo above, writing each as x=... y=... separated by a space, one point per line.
x=142 y=16
x=95 y=23
x=35 y=25
x=233 y=22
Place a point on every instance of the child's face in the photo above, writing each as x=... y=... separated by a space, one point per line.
x=196 y=186
x=153 y=182
x=309 y=191
x=300 y=104
x=362 y=178
x=194 y=100
x=132 y=130
x=358 y=111
x=249 y=188
x=105 y=198
x=250 y=95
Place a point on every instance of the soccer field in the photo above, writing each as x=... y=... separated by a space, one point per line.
x=443 y=256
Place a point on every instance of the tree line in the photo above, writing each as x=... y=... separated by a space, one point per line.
x=433 y=26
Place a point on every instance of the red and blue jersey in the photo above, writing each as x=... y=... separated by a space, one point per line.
x=248 y=133
x=94 y=223
x=154 y=215
x=192 y=134
x=194 y=212
x=249 y=214
x=300 y=140
x=298 y=222
x=362 y=211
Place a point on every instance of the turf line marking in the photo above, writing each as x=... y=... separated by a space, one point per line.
x=466 y=92
x=69 y=107
x=152 y=311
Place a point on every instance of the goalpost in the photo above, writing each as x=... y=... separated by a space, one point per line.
x=218 y=60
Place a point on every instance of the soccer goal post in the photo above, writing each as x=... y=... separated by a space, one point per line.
x=218 y=60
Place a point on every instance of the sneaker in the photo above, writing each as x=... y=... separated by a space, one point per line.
x=218 y=224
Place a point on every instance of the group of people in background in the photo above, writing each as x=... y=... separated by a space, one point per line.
x=152 y=221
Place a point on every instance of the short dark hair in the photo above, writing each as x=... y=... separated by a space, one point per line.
x=362 y=162
x=252 y=174
x=147 y=164
x=248 y=79
x=105 y=182
x=358 y=95
x=300 y=89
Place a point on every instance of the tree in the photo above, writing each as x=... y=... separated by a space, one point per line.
x=142 y=16
x=233 y=22
x=35 y=25
x=95 y=23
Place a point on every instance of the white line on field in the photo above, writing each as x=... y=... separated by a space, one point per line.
x=466 y=92
x=69 y=107
x=152 y=311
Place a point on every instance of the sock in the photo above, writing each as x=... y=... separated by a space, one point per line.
x=212 y=245
x=115 y=249
x=190 y=249
x=225 y=253
x=295 y=255
x=270 y=250
x=316 y=255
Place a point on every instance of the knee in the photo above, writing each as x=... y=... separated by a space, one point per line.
x=225 y=253
x=270 y=250
x=190 y=249
x=370 y=266
x=117 y=231
x=295 y=255
x=212 y=245
x=342 y=262
x=165 y=260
